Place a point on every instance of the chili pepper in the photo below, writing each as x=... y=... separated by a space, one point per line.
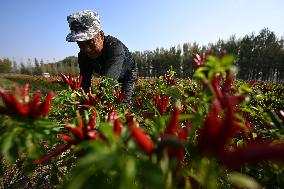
x=228 y=83
x=66 y=138
x=92 y=121
x=161 y=102
x=65 y=79
x=78 y=133
x=92 y=135
x=34 y=106
x=143 y=140
x=58 y=150
x=173 y=123
x=117 y=127
x=139 y=102
x=20 y=108
x=253 y=153
x=216 y=86
x=70 y=78
x=46 y=104
x=197 y=60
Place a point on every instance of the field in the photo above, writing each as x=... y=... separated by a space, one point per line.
x=210 y=132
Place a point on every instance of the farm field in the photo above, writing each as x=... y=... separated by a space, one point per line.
x=210 y=132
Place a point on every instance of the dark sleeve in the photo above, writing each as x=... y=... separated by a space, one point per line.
x=115 y=60
x=85 y=71
x=129 y=81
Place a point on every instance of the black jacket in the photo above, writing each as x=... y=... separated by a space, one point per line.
x=115 y=61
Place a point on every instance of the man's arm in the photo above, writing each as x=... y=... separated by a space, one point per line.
x=128 y=84
x=85 y=71
x=116 y=68
x=114 y=62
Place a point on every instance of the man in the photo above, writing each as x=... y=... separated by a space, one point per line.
x=104 y=55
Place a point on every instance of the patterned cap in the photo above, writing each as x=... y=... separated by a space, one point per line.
x=84 y=25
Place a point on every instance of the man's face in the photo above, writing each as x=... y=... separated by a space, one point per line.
x=93 y=47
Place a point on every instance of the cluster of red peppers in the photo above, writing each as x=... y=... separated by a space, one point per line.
x=119 y=96
x=199 y=60
x=170 y=79
x=20 y=104
x=71 y=81
x=222 y=125
x=89 y=100
x=87 y=131
x=162 y=102
x=173 y=130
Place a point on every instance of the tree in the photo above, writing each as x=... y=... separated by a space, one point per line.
x=37 y=69
x=5 y=65
x=261 y=56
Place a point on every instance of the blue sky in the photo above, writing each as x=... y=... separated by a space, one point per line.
x=37 y=29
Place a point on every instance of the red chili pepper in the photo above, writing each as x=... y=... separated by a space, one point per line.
x=92 y=122
x=34 y=108
x=117 y=127
x=216 y=86
x=66 y=138
x=92 y=99
x=20 y=109
x=78 y=133
x=46 y=104
x=58 y=150
x=139 y=102
x=197 y=60
x=92 y=135
x=144 y=142
x=65 y=79
x=112 y=116
x=228 y=83
x=183 y=134
x=157 y=99
x=70 y=79
x=79 y=81
x=22 y=92
x=173 y=123
x=253 y=153
x=209 y=140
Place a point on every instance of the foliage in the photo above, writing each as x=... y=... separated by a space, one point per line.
x=5 y=65
x=212 y=132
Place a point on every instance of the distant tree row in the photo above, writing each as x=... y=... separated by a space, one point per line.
x=259 y=57
x=36 y=67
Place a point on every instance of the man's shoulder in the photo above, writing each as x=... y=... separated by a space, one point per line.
x=113 y=42
x=115 y=45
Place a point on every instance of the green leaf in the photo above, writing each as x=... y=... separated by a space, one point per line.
x=7 y=145
x=243 y=181
x=107 y=131
x=227 y=61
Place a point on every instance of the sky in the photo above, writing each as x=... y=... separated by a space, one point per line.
x=38 y=29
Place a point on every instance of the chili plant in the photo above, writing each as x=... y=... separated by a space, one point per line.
x=24 y=123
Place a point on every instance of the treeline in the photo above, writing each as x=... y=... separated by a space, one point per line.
x=258 y=57
x=38 y=67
